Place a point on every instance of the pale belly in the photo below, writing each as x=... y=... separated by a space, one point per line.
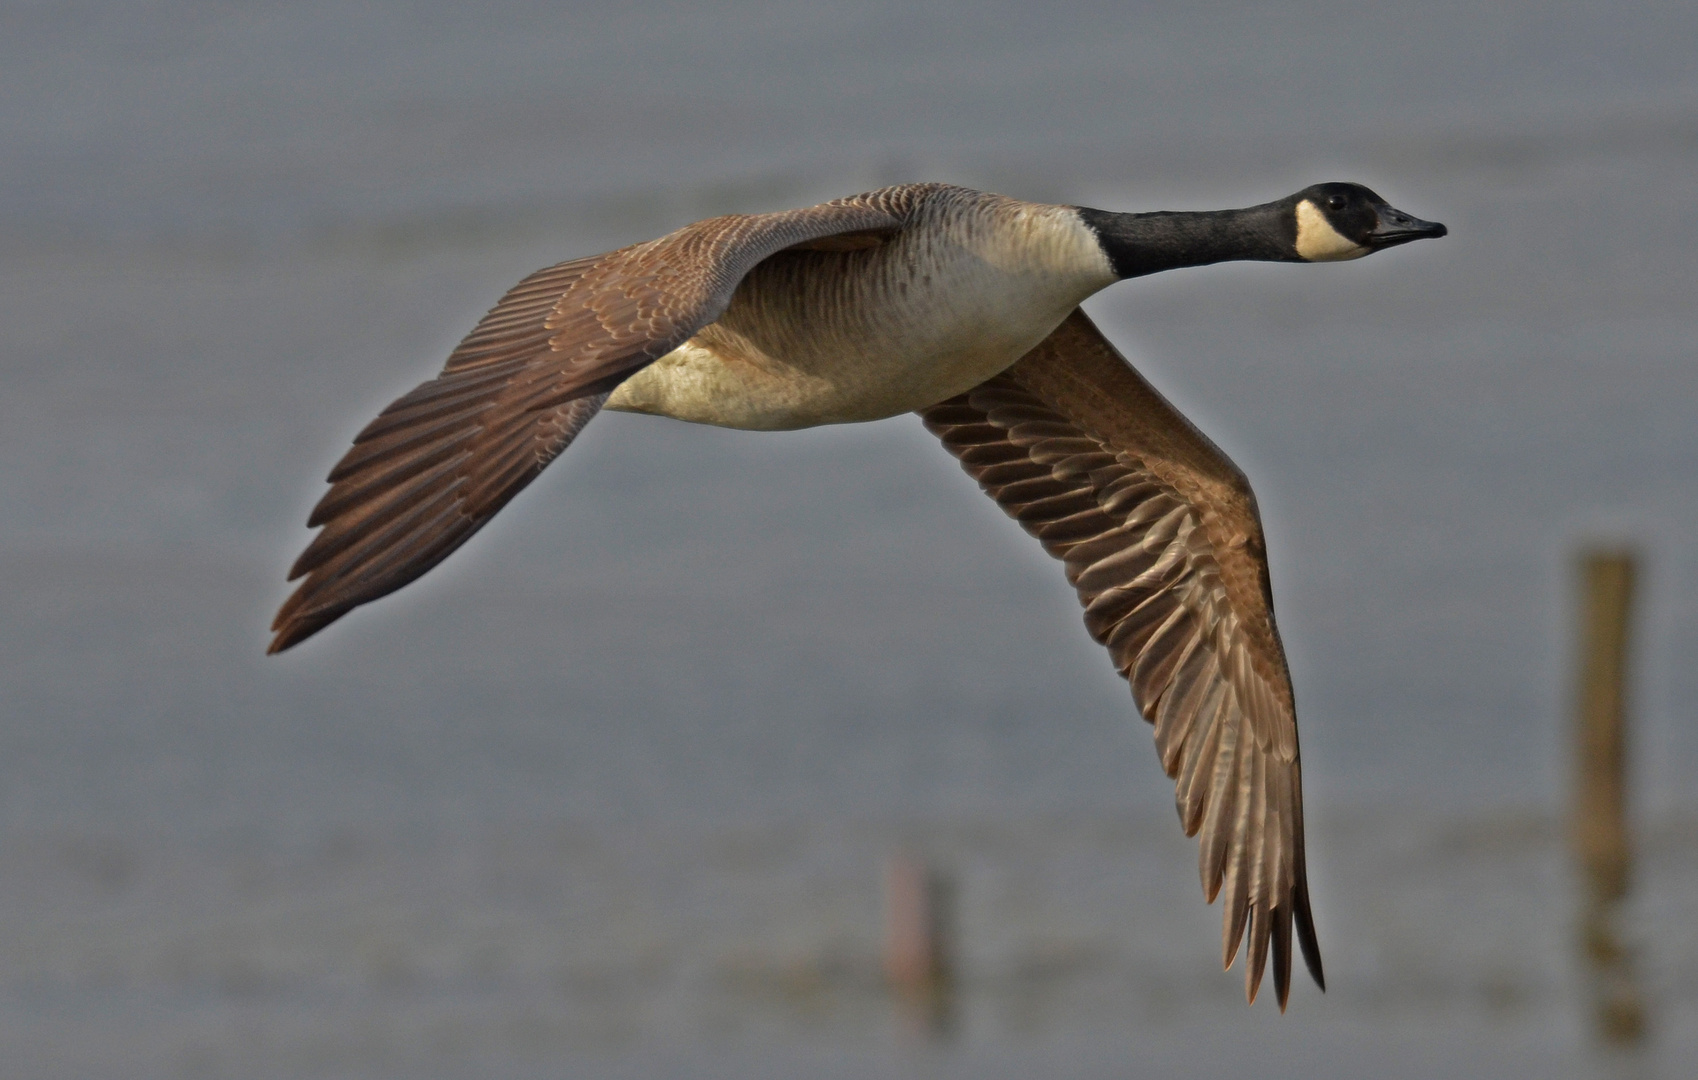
x=723 y=378
x=803 y=345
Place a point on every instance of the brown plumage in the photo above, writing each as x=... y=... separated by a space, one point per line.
x=437 y=464
x=962 y=306
x=1158 y=532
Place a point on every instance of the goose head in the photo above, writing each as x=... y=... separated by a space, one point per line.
x=1322 y=223
x=1338 y=221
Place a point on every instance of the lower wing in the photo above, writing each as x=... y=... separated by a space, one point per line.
x=1158 y=532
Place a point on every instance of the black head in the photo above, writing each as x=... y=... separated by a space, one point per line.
x=1348 y=221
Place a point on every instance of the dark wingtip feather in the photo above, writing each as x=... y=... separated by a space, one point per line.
x=1306 y=939
x=291 y=629
x=1282 y=955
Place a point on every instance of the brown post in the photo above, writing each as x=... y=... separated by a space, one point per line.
x=1599 y=830
x=917 y=934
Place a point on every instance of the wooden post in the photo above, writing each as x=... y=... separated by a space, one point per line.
x=1599 y=829
x=917 y=933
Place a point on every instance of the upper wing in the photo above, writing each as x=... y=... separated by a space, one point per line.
x=440 y=461
x=1159 y=534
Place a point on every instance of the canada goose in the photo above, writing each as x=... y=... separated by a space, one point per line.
x=962 y=306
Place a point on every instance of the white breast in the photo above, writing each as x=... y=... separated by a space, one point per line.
x=817 y=337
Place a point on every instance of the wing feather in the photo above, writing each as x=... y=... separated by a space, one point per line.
x=442 y=459
x=1157 y=531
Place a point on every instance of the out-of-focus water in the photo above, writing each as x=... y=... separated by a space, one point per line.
x=609 y=793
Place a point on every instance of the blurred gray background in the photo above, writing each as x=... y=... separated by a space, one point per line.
x=609 y=794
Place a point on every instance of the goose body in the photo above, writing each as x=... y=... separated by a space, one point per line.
x=842 y=336
x=963 y=307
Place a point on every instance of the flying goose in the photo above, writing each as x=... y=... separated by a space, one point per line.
x=962 y=306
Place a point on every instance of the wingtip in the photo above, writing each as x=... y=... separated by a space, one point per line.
x=1257 y=954
x=283 y=641
x=1307 y=941
x=282 y=624
x=292 y=627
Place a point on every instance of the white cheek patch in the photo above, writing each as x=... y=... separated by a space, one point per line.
x=1318 y=241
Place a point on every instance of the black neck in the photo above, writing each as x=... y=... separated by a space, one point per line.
x=1138 y=244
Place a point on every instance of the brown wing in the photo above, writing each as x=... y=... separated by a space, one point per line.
x=440 y=461
x=1159 y=534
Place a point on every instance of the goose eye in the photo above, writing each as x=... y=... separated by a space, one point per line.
x=1336 y=202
